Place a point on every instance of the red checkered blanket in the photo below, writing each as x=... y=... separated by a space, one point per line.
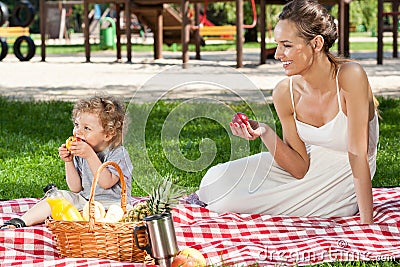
x=235 y=239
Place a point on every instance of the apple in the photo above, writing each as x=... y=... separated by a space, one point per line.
x=193 y=255
x=240 y=118
x=69 y=141
x=183 y=261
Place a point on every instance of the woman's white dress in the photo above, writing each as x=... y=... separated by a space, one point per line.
x=256 y=184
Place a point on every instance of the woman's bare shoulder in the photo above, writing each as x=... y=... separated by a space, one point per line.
x=352 y=76
x=281 y=88
x=282 y=98
x=351 y=70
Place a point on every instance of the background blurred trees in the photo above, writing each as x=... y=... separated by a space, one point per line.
x=363 y=13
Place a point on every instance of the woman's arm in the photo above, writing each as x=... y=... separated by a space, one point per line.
x=358 y=100
x=290 y=153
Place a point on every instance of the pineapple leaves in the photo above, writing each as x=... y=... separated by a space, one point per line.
x=164 y=196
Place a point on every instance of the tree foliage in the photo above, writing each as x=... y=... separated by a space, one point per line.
x=362 y=12
x=368 y=11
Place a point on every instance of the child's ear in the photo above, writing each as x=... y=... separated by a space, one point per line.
x=109 y=136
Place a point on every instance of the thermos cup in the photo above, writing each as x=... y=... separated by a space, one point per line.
x=161 y=232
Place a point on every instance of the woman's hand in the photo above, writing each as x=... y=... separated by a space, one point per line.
x=250 y=130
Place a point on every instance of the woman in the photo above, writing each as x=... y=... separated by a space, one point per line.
x=324 y=164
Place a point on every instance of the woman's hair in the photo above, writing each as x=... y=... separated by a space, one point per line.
x=111 y=113
x=312 y=19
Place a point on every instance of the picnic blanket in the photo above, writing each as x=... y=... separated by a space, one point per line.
x=235 y=239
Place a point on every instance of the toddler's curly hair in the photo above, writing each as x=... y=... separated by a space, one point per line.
x=111 y=112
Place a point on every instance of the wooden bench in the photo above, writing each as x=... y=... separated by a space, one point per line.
x=226 y=32
x=12 y=33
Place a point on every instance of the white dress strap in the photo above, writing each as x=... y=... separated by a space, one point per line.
x=291 y=94
x=337 y=90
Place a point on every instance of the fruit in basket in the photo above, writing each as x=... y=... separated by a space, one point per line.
x=69 y=141
x=240 y=118
x=138 y=213
x=114 y=214
x=99 y=211
x=189 y=257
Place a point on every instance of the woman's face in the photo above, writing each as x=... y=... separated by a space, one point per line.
x=292 y=50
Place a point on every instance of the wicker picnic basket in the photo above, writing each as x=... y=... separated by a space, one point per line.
x=91 y=239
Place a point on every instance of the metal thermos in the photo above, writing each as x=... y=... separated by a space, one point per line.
x=163 y=246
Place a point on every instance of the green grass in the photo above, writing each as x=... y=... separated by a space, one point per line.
x=370 y=46
x=30 y=135
x=68 y=49
x=71 y=49
x=32 y=131
x=230 y=45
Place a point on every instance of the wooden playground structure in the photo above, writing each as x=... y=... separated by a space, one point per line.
x=394 y=28
x=168 y=26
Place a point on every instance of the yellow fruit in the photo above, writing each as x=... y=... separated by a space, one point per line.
x=99 y=211
x=114 y=214
x=69 y=141
x=194 y=255
x=129 y=207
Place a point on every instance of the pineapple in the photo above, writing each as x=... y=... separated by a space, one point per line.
x=138 y=213
x=162 y=198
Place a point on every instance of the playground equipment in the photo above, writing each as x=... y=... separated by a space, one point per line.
x=107 y=33
x=187 y=27
x=187 y=34
x=3 y=13
x=22 y=16
x=394 y=14
x=224 y=32
x=23 y=13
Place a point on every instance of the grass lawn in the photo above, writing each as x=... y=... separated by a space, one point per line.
x=32 y=131
x=365 y=45
x=68 y=49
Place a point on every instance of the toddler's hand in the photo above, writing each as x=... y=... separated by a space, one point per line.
x=64 y=154
x=81 y=149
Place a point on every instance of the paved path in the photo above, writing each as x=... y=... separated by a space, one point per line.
x=69 y=78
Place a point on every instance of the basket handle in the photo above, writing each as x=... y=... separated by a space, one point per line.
x=92 y=192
